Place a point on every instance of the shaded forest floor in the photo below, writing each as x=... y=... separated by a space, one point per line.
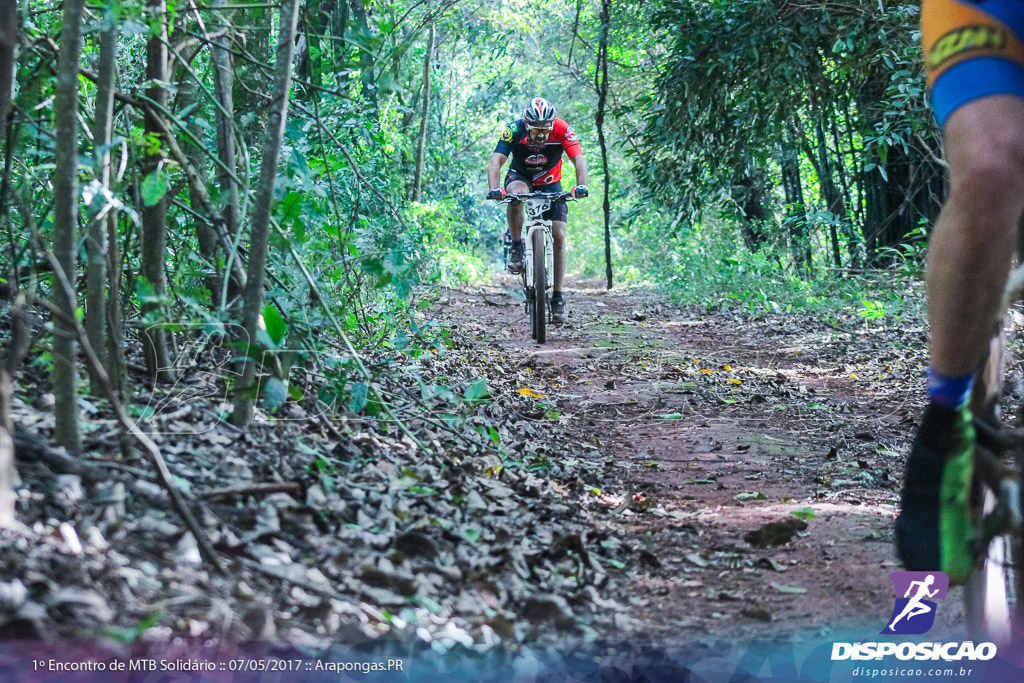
x=650 y=475
x=757 y=459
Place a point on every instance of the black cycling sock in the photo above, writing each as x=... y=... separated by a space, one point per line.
x=555 y=294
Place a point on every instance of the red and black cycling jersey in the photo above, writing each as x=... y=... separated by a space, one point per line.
x=540 y=164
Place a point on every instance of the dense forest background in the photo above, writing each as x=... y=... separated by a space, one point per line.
x=290 y=176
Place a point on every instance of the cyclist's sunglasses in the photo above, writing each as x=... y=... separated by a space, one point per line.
x=534 y=130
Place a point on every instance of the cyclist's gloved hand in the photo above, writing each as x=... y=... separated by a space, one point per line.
x=580 y=191
x=497 y=194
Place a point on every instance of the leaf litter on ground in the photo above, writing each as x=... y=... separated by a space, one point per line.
x=339 y=528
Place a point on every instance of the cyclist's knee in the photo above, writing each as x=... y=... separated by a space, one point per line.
x=986 y=154
x=558 y=232
x=990 y=175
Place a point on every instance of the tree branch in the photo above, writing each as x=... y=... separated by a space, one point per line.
x=151 y=449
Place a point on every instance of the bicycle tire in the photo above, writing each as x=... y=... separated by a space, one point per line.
x=539 y=288
x=994 y=589
x=992 y=593
x=528 y=298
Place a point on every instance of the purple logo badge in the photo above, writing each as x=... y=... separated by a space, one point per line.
x=916 y=593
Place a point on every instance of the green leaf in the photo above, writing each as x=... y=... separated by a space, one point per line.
x=129 y=635
x=422 y=490
x=477 y=390
x=804 y=513
x=359 y=397
x=154 y=187
x=277 y=328
x=182 y=483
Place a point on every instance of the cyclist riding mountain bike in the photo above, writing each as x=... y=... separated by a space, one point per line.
x=974 y=55
x=536 y=143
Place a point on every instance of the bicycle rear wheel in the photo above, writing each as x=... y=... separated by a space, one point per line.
x=994 y=591
x=992 y=594
x=539 y=320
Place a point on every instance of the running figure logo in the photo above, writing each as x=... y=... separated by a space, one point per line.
x=914 y=613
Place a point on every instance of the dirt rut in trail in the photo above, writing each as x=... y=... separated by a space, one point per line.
x=722 y=427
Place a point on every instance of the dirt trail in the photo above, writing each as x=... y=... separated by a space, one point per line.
x=650 y=476
x=721 y=427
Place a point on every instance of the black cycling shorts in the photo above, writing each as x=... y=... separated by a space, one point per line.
x=559 y=211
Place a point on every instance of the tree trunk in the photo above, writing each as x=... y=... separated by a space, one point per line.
x=752 y=204
x=223 y=80
x=854 y=239
x=97 y=240
x=253 y=29
x=65 y=224
x=830 y=193
x=796 y=209
x=312 y=24
x=421 y=144
x=339 y=48
x=367 y=59
x=8 y=474
x=908 y=195
x=154 y=218
x=8 y=41
x=190 y=99
x=601 y=85
x=263 y=204
x=115 y=315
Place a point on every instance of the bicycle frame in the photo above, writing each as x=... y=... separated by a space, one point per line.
x=537 y=302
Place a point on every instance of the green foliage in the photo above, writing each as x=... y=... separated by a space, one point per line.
x=704 y=97
x=909 y=254
x=872 y=310
x=128 y=635
x=709 y=267
x=749 y=83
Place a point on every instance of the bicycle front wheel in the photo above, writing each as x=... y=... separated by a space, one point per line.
x=539 y=288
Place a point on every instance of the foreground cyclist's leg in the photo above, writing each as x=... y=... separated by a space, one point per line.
x=515 y=212
x=558 y=277
x=969 y=257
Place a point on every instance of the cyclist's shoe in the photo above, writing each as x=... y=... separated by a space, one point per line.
x=557 y=310
x=933 y=530
x=515 y=257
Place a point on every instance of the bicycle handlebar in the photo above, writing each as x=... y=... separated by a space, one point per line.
x=553 y=196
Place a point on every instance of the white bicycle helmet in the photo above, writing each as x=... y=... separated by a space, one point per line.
x=539 y=112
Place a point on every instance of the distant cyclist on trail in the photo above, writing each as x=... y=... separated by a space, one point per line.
x=536 y=143
x=974 y=56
